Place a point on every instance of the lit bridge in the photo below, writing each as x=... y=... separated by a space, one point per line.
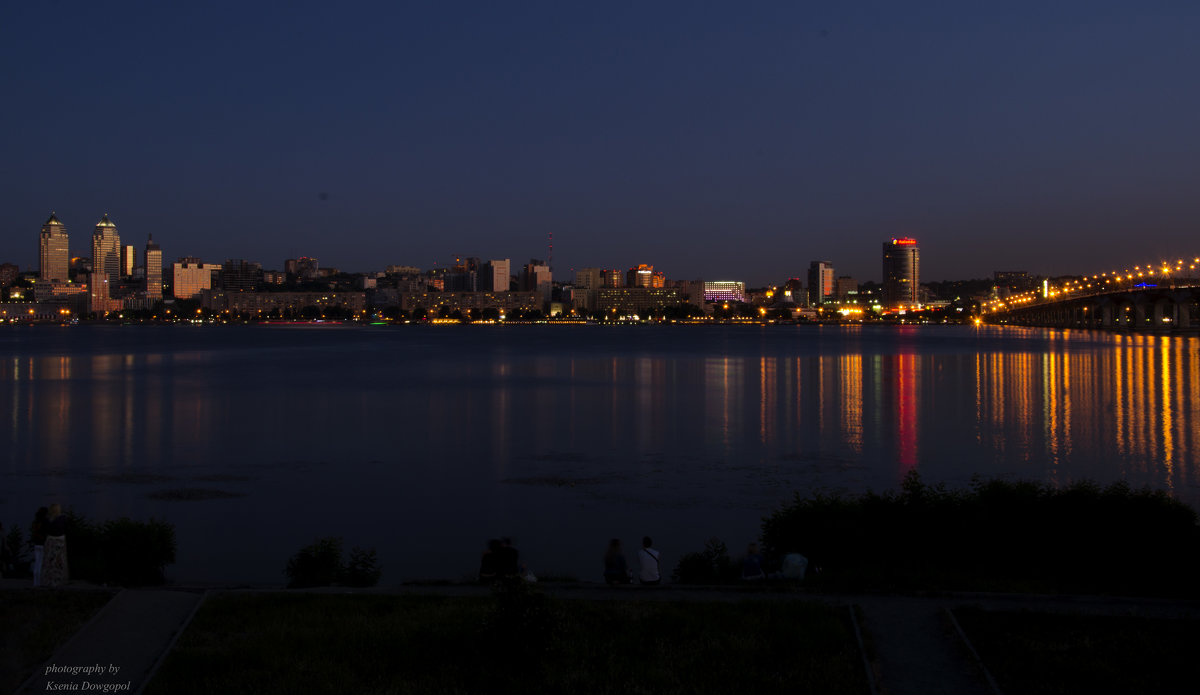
x=1161 y=297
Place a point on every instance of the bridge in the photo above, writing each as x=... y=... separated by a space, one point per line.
x=1161 y=297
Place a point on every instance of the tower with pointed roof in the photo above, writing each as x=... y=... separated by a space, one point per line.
x=106 y=250
x=54 y=255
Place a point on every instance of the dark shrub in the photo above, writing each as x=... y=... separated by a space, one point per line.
x=320 y=564
x=362 y=569
x=137 y=552
x=1006 y=536
x=122 y=551
x=711 y=566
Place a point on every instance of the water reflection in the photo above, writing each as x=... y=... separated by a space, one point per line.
x=1052 y=405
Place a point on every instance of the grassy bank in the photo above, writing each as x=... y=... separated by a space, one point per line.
x=1044 y=653
x=34 y=623
x=515 y=642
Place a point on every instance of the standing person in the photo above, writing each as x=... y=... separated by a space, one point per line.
x=648 y=559
x=616 y=570
x=37 y=536
x=55 y=570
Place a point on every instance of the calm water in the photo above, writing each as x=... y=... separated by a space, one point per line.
x=425 y=441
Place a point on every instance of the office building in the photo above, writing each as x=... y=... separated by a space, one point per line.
x=53 y=255
x=238 y=275
x=154 y=279
x=901 y=273
x=588 y=279
x=106 y=251
x=820 y=283
x=724 y=291
x=845 y=289
x=189 y=276
x=128 y=260
x=536 y=277
x=497 y=276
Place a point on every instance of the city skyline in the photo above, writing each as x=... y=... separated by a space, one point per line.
x=716 y=141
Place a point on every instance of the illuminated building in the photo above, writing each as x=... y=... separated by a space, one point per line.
x=724 y=291
x=497 y=276
x=845 y=289
x=53 y=255
x=820 y=283
x=536 y=276
x=128 y=260
x=611 y=278
x=190 y=276
x=901 y=273
x=643 y=275
x=154 y=285
x=106 y=251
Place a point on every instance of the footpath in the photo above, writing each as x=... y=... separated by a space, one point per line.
x=911 y=643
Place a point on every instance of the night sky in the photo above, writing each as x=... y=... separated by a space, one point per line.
x=712 y=140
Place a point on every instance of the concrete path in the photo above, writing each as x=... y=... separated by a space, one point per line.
x=121 y=645
x=917 y=649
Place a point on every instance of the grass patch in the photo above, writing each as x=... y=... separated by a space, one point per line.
x=518 y=641
x=34 y=623
x=1039 y=653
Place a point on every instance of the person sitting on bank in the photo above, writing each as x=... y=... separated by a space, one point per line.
x=488 y=571
x=507 y=559
x=616 y=570
x=752 y=569
x=649 y=561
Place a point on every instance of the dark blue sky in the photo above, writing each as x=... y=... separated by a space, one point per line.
x=712 y=140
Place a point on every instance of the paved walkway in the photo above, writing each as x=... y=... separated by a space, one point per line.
x=121 y=645
x=915 y=645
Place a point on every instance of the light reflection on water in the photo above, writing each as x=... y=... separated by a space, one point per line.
x=425 y=441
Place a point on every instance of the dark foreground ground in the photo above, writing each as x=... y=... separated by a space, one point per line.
x=589 y=638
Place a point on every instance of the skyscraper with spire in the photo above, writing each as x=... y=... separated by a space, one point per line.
x=106 y=251
x=54 y=256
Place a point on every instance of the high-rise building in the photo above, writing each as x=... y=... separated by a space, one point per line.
x=588 y=279
x=611 y=278
x=128 y=260
x=820 y=283
x=536 y=276
x=189 y=276
x=154 y=284
x=497 y=276
x=53 y=255
x=106 y=251
x=724 y=291
x=901 y=273
x=238 y=275
x=845 y=289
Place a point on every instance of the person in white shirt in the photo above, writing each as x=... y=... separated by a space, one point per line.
x=648 y=559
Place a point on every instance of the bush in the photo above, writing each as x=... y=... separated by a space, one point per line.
x=122 y=551
x=711 y=566
x=136 y=552
x=362 y=569
x=320 y=564
x=996 y=536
